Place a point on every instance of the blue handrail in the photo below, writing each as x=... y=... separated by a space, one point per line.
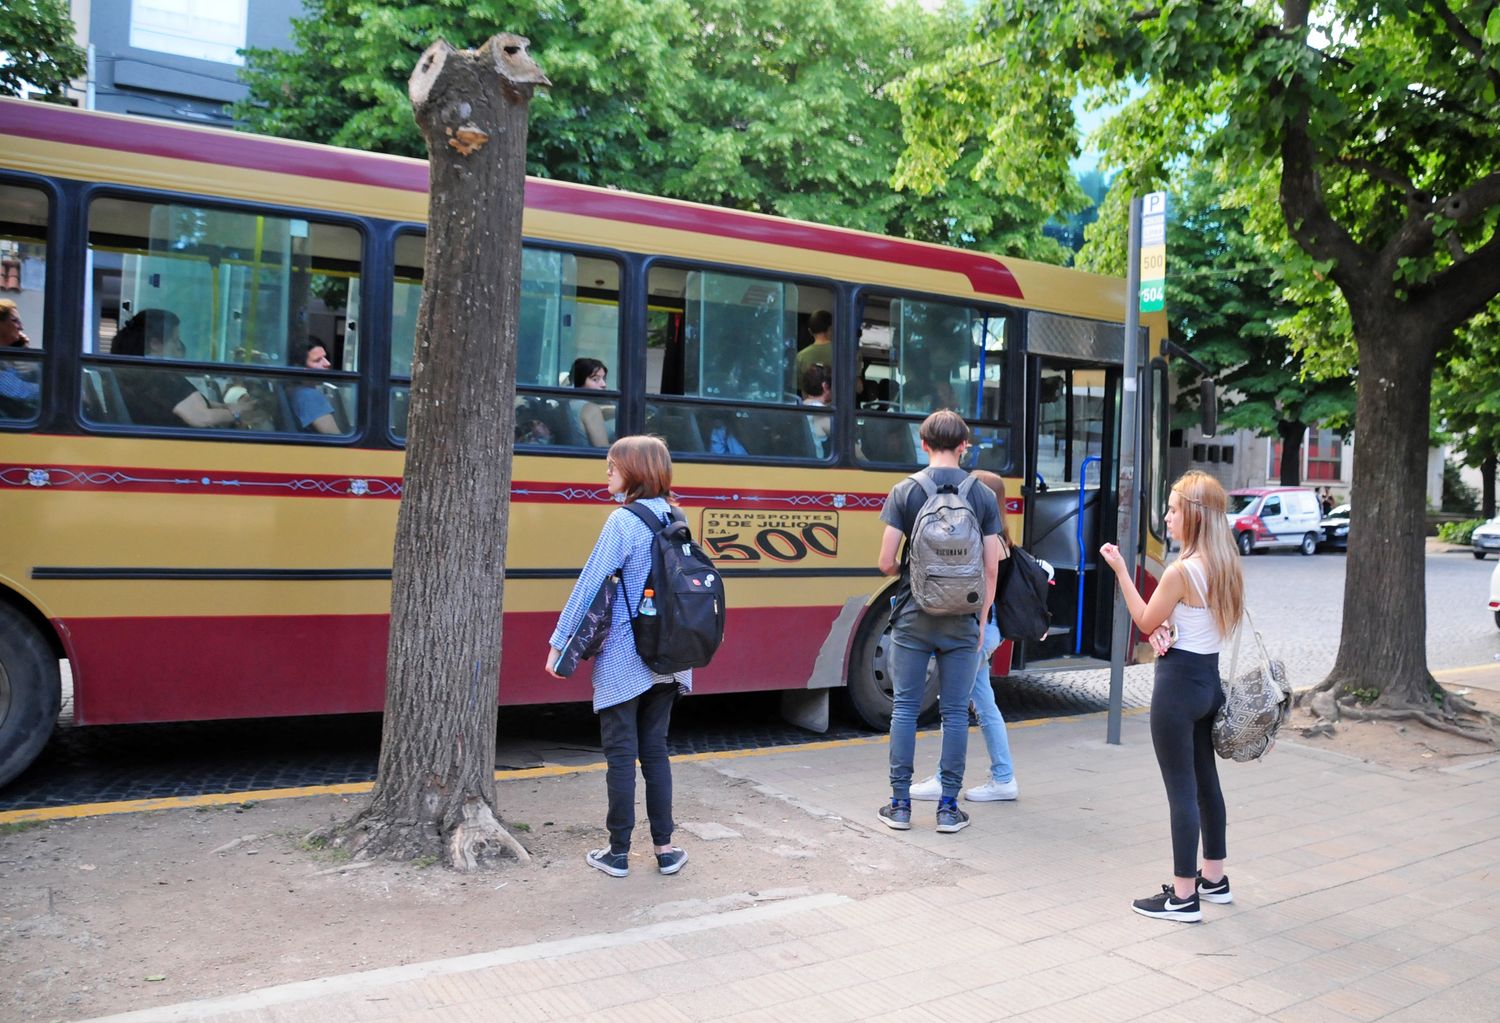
x=1083 y=555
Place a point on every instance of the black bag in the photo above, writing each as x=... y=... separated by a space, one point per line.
x=1021 y=598
x=592 y=631
x=688 y=625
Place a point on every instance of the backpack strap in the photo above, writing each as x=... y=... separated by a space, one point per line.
x=650 y=518
x=652 y=522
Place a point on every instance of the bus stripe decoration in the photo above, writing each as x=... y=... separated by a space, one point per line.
x=158 y=481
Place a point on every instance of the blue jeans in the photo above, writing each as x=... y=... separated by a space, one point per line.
x=635 y=729
x=916 y=638
x=991 y=721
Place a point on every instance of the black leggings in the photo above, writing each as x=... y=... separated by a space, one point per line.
x=1183 y=702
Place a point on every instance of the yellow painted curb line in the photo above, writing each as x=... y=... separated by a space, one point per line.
x=57 y=813
x=1473 y=669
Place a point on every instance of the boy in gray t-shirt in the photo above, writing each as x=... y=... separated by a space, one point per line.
x=917 y=636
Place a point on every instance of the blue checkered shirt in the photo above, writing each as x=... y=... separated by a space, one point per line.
x=624 y=543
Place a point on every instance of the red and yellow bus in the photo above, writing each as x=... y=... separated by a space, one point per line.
x=236 y=562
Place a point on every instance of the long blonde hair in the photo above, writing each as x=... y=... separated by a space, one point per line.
x=1205 y=535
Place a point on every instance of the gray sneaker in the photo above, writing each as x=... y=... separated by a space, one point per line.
x=950 y=818
x=896 y=814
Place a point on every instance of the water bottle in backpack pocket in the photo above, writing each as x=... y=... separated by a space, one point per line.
x=945 y=550
x=678 y=620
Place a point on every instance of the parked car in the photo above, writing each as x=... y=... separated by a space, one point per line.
x=1495 y=595
x=1264 y=518
x=1335 y=529
x=1486 y=538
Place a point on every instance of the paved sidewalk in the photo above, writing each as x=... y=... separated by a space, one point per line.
x=1362 y=893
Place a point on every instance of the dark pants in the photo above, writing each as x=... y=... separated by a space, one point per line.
x=1184 y=699
x=637 y=729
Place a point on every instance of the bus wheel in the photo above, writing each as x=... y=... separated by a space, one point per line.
x=30 y=693
x=871 y=683
x=1247 y=543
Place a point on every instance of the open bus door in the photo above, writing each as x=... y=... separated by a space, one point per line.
x=1071 y=501
x=1073 y=374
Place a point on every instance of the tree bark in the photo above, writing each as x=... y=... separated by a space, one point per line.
x=435 y=792
x=1291 y=433
x=1383 y=645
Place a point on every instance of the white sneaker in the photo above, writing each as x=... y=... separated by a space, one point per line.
x=930 y=789
x=993 y=791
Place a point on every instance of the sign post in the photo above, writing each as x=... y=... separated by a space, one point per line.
x=1145 y=289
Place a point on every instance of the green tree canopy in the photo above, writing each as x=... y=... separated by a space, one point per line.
x=1376 y=122
x=776 y=106
x=37 y=48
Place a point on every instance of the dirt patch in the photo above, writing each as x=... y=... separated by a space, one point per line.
x=1404 y=745
x=127 y=912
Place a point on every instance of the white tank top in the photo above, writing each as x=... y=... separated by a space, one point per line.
x=1197 y=632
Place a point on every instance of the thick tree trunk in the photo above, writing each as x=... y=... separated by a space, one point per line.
x=435 y=793
x=1487 y=474
x=1383 y=645
x=1291 y=433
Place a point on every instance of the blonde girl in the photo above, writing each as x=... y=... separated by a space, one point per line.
x=634 y=703
x=1197 y=605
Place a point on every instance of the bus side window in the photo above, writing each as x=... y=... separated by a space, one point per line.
x=230 y=319
x=23 y=286
x=722 y=361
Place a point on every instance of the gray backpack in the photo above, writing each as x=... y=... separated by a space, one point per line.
x=945 y=551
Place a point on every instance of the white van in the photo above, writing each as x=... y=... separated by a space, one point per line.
x=1264 y=518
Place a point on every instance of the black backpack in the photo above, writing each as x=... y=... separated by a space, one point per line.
x=1021 y=598
x=688 y=625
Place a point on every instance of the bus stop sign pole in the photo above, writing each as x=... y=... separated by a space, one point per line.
x=1128 y=534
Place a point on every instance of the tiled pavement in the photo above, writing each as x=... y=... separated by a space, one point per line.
x=1362 y=893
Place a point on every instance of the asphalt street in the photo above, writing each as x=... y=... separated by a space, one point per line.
x=1298 y=605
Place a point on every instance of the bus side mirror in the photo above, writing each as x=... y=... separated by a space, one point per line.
x=1208 y=405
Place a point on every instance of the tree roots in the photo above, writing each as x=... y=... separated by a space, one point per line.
x=1454 y=726
x=1448 y=712
x=473 y=840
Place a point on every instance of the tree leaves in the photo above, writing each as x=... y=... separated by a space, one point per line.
x=37 y=49
x=776 y=106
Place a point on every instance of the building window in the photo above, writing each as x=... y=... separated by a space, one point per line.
x=1325 y=453
x=188 y=28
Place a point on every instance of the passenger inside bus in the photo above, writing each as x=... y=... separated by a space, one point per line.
x=159 y=397
x=20 y=389
x=817 y=390
x=820 y=326
x=311 y=407
x=923 y=389
x=587 y=418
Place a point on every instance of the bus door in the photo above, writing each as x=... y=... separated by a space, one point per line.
x=1071 y=500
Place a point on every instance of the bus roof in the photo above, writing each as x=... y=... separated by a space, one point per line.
x=53 y=139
